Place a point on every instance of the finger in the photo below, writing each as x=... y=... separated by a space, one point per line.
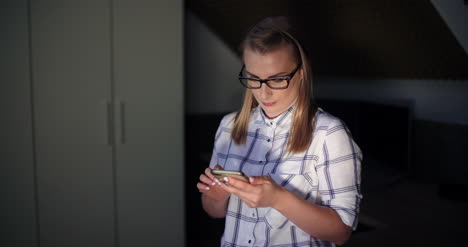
x=257 y=180
x=238 y=183
x=205 y=179
x=203 y=187
x=244 y=196
x=209 y=174
x=241 y=188
x=231 y=189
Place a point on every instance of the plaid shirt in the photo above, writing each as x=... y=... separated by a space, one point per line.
x=327 y=173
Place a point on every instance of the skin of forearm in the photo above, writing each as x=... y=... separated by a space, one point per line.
x=214 y=208
x=319 y=221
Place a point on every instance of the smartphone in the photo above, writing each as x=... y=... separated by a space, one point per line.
x=220 y=174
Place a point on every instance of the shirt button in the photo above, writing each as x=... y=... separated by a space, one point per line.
x=250 y=241
x=253 y=214
x=268 y=140
x=260 y=162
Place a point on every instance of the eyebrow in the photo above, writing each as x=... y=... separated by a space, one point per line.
x=280 y=74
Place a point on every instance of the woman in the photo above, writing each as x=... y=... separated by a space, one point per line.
x=302 y=164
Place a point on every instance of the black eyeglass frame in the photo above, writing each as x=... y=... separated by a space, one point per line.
x=287 y=78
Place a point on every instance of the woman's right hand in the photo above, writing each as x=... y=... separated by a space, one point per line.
x=209 y=185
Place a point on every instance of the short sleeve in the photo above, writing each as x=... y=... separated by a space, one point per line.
x=339 y=173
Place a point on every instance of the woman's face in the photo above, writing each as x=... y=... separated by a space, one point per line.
x=277 y=63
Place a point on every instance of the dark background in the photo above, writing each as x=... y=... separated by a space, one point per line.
x=414 y=167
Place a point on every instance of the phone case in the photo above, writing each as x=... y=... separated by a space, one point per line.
x=220 y=174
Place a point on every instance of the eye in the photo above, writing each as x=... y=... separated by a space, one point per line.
x=279 y=79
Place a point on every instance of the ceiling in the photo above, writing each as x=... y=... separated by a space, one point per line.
x=352 y=38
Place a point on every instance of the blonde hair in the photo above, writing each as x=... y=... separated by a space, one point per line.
x=268 y=35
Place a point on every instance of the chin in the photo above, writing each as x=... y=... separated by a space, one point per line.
x=272 y=114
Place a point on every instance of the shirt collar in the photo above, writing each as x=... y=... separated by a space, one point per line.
x=280 y=120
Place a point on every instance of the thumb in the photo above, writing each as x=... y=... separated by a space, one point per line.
x=256 y=180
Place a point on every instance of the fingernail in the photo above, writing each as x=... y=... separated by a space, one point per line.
x=213 y=183
x=207 y=188
x=216 y=181
x=251 y=179
x=226 y=179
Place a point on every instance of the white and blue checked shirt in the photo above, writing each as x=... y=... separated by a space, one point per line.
x=327 y=174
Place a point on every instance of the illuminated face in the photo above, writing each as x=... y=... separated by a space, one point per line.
x=274 y=64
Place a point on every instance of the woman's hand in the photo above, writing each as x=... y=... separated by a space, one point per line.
x=259 y=192
x=209 y=185
x=319 y=221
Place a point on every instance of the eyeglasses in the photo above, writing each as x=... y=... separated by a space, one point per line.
x=281 y=82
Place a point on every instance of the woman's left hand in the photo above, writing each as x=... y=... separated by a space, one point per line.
x=259 y=192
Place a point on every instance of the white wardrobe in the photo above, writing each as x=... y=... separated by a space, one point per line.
x=91 y=123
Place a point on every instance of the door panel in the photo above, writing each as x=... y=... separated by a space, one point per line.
x=71 y=69
x=149 y=82
x=17 y=197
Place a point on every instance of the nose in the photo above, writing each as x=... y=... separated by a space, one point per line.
x=265 y=91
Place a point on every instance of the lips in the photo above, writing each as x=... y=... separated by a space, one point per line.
x=268 y=104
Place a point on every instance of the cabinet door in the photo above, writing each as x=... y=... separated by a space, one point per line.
x=71 y=78
x=17 y=204
x=149 y=107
